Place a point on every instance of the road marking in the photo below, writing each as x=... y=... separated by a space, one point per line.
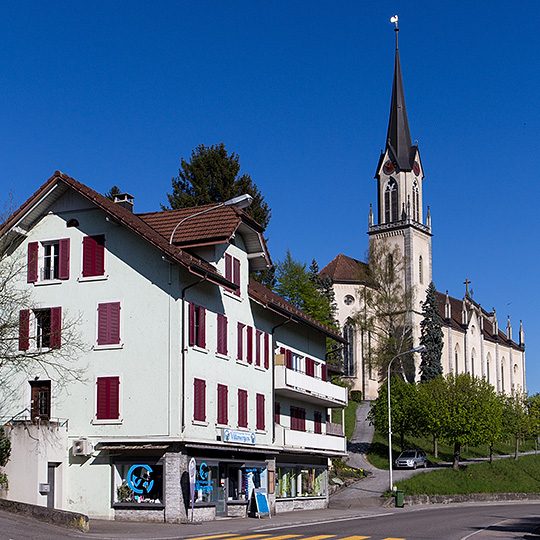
x=214 y=536
x=392 y=538
x=284 y=537
x=355 y=538
x=320 y=537
x=486 y=528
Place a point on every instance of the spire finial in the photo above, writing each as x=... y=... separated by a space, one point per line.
x=395 y=20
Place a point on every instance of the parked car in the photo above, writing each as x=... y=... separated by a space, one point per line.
x=412 y=458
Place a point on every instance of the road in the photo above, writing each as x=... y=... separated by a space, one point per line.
x=445 y=522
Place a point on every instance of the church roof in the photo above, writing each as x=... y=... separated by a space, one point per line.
x=398 y=139
x=345 y=269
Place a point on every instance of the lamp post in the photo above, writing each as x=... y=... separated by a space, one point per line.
x=242 y=201
x=416 y=349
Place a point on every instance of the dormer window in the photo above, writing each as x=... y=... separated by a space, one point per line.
x=232 y=271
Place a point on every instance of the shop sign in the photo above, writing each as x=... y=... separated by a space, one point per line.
x=239 y=437
x=138 y=478
x=204 y=484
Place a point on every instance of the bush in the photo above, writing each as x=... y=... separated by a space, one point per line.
x=356 y=395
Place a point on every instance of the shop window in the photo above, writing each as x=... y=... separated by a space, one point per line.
x=300 y=482
x=221 y=334
x=206 y=483
x=48 y=260
x=93 y=264
x=40 y=400
x=138 y=482
x=286 y=483
x=108 y=325
x=197 y=325
x=242 y=408
x=243 y=480
x=40 y=329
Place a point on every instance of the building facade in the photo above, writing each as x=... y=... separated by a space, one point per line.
x=473 y=342
x=169 y=353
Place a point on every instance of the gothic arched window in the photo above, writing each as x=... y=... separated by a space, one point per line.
x=391 y=201
x=348 y=351
x=488 y=361
x=502 y=375
x=415 y=201
x=456 y=358
x=421 y=269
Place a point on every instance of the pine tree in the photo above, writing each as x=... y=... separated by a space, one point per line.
x=431 y=336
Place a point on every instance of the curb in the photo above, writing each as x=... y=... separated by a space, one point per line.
x=62 y=518
x=413 y=500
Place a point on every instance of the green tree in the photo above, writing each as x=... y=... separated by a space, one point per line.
x=386 y=313
x=431 y=336
x=515 y=417
x=5 y=453
x=212 y=175
x=405 y=409
x=533 y=404
x=112 y=193
x=461 y=409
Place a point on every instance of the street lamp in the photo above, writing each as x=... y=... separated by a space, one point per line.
x=242 y=201
x=416 y=349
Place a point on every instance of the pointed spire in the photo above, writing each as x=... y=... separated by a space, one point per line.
x=509 y=329
x=398 y=139
x=370 y=215
x=521 y=335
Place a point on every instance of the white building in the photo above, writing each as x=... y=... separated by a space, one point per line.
x=473 y=341
x=183 y=356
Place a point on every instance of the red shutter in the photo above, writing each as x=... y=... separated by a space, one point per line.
x=236 y=275
x=277 y=412
x=202 y=327
x=258 y=334
x=239 y=341
x=221 y=334
x=109 y=324
x=266 y=351
x=56 y=327
x=199 y=400
x=108 y=398
x=242 y=408
x=228 y=267
x=260 y=412
x=310 y=367
x=288 y=359
x=32 y=267
x=249 y=352
x=191 y=323
x=93 y=255
x=24 y=329
x=63 y=267
x=301 y=419
x=222 y=405
x=318 y=422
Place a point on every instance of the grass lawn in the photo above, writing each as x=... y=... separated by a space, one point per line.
x=350 y=418
x=502 y=476
x=378 y=452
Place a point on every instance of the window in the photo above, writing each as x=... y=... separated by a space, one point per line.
x=421 y=269
x=93 y=256
x=40 y=329
x=242 y=408
x=260 y=412
x=221 y=334
x=197 y=325
x=348 y=351
x=488 y=361
x=232 y=271
x=310 y=367
x=48 y=261
x=317 y=418
x=40 y=400
x=199 y=400
x=108 y=330
x=266 y=351
x=108 y=398
x=302 y=481
x=244 y=335
x=415 y=201
x=391 y=202
x=138 y=483
x=277 y=412
x=258 y=335
x=222 y=403
x=298 y=419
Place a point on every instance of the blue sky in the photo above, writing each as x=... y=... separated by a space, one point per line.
x=117 y=92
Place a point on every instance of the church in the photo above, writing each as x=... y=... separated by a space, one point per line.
x=473 y=342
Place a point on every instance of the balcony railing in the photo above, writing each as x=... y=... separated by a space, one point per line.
x=301 y=386
x=289 y=438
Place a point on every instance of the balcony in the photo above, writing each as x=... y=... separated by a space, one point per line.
x=306 y=440
x=298 y=385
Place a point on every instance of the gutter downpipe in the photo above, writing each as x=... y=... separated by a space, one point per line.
x=290 y=319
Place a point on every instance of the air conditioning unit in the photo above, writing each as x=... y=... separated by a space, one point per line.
x=82 y=447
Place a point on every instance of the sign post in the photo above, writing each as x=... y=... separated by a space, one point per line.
x=192 y=474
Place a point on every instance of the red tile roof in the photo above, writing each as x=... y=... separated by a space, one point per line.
x=344 y=269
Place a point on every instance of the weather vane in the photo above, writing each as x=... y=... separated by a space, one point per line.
x=395 y=20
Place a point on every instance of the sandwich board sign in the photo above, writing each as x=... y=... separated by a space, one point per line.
x=258 y=504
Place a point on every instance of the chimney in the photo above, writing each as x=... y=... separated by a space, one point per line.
x=125 y=200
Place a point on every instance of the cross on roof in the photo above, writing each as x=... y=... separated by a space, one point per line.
x=467 y=283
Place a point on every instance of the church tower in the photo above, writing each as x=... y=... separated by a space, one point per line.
x=400 y=218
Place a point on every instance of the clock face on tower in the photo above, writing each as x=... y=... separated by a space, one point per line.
x=388 y=167
x=416 y=168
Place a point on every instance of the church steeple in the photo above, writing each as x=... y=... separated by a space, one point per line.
x=398 y=139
